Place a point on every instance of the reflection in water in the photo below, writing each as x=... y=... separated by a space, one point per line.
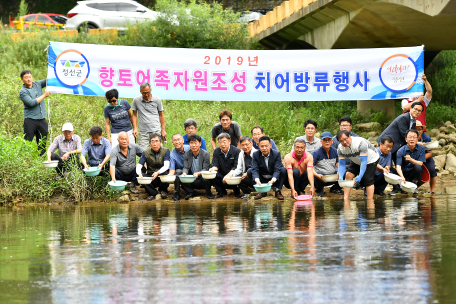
x=324 y=251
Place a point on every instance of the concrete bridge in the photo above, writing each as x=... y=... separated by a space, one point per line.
x=345 y=24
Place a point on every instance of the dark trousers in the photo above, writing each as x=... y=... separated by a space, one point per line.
x=177 y=182
x=64 y=165
x=300 y=182
x=221 y=187
x=131 y=177
x=278 y=183
x=38 y=128
x=414 y=175
x=319 y=185
x=430 y=165
x=380 y=182
x=151 y=188
x=199 y=183
x=246 y=184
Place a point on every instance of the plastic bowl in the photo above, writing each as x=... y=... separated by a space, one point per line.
x=262 y=188
x=347 y=183
x=303 y=197
x=408 y=187
x=432 y=145
x=92 y=171
x=144 y=180
x=118 y=185
x=330 y=178
x=393 y=179
x=51 y=164
x=208 y=175
x=233 y=180
x=167 y=178
x=187 y=179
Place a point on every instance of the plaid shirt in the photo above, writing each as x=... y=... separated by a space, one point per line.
x=64 y=145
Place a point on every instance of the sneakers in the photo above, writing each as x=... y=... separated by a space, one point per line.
x=245 y=196
x=395 y=192
x=415 y=192
x=133 y=189
x=59 y=177
x=321 y=193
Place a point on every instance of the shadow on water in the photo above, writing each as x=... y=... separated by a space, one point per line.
x=398 y=250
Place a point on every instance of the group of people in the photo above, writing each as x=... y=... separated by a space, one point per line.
x=255 y=159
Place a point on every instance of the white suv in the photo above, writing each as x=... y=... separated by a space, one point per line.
x=106 y=14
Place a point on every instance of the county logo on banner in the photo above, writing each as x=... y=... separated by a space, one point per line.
x=244 y=75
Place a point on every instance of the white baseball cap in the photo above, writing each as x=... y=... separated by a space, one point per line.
x=67 y=127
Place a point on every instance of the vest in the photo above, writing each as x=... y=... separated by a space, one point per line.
x=422 y=117
x=153 y=165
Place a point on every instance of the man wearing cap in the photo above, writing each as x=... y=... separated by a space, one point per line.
x=69 y=146
x=430 y=164
x=325 y=162
x=298 y=169
x=98 y=150
x=35 y=124
x=423 y=99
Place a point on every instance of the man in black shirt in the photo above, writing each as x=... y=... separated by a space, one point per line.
x=226 y=125
x=224 y=161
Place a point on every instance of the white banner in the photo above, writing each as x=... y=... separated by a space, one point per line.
x=230 y=75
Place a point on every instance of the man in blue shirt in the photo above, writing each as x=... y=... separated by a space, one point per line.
x=257 y=133
x=98 y=148
x=325 y=161
x=35 y=124
x=430 y=164
x=384 y=166
x=190 y=128
x=410 y=159
x=176 y=162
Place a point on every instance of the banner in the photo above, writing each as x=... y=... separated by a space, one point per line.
x=230 y=75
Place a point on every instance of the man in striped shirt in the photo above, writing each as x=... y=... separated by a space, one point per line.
x=69 y=146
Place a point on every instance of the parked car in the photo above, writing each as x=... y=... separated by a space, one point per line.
x=106 y=14
x=250 y=16
x=43 y=17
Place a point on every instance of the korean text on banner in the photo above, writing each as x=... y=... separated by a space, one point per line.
x=230 y=75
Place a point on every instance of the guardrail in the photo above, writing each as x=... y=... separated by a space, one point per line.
x=20 y=24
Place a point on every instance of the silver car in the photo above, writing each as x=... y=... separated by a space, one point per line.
x=105 y=14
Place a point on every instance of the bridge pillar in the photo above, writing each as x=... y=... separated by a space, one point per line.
x=387 y=106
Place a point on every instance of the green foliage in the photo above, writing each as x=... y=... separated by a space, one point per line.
x=190 y=25
x=23 y=9
x=443 y=81
x=22 y=172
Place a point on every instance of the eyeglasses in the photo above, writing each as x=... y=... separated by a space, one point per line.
x=112 y=100
x=345 y=126
x=410 y=137
x=145 y=93
x=418 y=110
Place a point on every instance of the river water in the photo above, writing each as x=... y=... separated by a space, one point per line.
x=396 y=250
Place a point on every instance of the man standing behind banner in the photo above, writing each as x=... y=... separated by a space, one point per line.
x=149 y=109
x=425 y=99
x=32 y=96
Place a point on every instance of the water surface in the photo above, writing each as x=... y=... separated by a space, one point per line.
x=397 y=250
